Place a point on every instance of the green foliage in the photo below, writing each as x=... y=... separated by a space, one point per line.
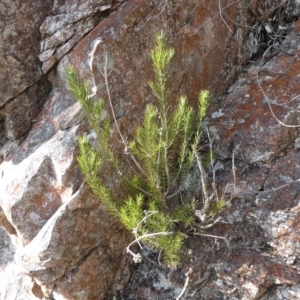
x=90 y=161
x=184 y=213
x=172 y=244
x=217 y=206
x=208 y=158
x=131 y=212
x=161 y=153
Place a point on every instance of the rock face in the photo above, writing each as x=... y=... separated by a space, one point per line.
x=21 y=75
x=56 y=239
x=262 y=106
x=258 y=257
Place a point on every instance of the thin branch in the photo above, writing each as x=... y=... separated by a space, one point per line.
x=106 y=75
x=233 y=173
x=212 y=166
x=209 y=225
x=148 y=214
x=137 y=257
x=221 y=10
x=221 y=16
x=269 y=101
x=159 y=257
x=135 y=230
x=187 y=275
x=177 y=176
x=167 y=169
x=210 y=235
x=166 y=2
x=281 y=186
x=207 y=199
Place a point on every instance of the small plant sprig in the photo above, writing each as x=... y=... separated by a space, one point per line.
x=159 y=158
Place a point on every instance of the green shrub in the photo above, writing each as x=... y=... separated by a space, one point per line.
x=157 y=164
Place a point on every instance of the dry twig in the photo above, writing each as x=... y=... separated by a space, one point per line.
x=187 y=275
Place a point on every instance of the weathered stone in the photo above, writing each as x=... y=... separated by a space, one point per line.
x=128 y=47
x=246 y=108
x=80 y=284
x=6 y=149
x=34 y=205
x=19 y=45
x=152 y=281
x=78 y=5
x=48 y=64
x=20 y=112
x=254 y=273
x=4 y=223
x=6 y=248
x=2 y=136
x=280 y=205
x=39 y=203
x=264 y=212
x=82 y=30
x=71 y=116
x=258 y=259
x=56 y=115
x=14 y=284
x=62 y=32
x=46 y=55
x=20 y=74
x=283 y=292
x=48 y=257
x=36 y=194
x=55 y=23
x=60 y=232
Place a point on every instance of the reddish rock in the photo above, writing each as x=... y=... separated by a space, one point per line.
x=21 y=112
x=63 y=31
x=258 y=258
x=127 y=53
x=48 y=64
x=245 y=112
x=60 y=234
x=19 y=69
x=80 y=283
x=19 y=45
x=253 y=273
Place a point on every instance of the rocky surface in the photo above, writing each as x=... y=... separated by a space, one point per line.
x=55 y=238
x=21 y=74
x=255 y=254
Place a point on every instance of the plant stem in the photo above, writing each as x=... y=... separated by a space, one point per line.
x=187 y=275
x=105 y=74
x=203 y=182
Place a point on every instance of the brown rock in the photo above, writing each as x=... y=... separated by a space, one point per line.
x=48 y=64
x=61 y=226
x=192 y=51
x=20 y=73
x=19 y=45
x=80 y=282
x=258 y=258
x=65 y=239
x=246 y=111
x=254 y=273
x=63 y=31
x=5 y=223
x=21 y=112
x=14 y=284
